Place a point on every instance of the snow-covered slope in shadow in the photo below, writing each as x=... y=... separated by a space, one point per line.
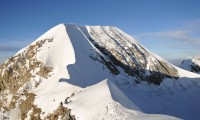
x=84 y=72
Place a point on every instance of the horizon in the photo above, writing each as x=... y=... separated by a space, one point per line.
x=170 y=28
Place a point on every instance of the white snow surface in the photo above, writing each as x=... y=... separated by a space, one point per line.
x=97 y=94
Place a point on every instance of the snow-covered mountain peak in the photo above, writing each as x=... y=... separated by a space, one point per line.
x=110 y=46
x=80 y=72
x=192 y=65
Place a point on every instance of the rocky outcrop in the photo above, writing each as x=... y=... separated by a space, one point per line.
x=19 y=69
x=16 y=72
x=27 y=105
x=61 y=112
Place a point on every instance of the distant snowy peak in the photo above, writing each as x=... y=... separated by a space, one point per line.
x=192 y=65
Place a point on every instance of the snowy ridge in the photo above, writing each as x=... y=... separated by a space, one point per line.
x=99 y=73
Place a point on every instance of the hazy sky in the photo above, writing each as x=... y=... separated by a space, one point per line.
x=170 y=28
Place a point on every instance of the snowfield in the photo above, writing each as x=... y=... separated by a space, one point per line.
x=94 y=93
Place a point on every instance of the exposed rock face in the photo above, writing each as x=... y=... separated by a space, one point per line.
x=61 y=112
x=192 y=65
x=19 y=69
x=120 y=51
x=28 y=105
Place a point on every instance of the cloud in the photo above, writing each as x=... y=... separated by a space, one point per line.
x=7 y=51
x=188 y=32
x=8 y=48
x=13 y=44
x=174 y=45
x=19 y=43
x=171 y=44
x=166 y=36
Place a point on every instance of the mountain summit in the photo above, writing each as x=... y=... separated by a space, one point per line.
x=94 y=72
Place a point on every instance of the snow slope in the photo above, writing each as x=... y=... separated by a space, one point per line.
x=105 y=101
x=99 y=87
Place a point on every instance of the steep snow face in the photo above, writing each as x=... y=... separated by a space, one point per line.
x=192 y=65
x=94 y=72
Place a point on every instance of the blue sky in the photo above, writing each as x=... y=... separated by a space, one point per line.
x=170 y=28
